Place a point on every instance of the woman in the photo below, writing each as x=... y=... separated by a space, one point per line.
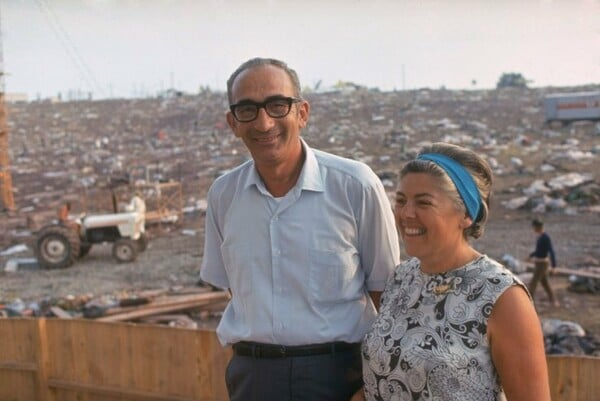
x=454 y=324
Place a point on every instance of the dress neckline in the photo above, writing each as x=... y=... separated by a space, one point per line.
x=452 y=272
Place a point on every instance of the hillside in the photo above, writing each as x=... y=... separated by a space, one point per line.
x=68 y=151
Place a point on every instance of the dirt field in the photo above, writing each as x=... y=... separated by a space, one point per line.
x=173 y=259
x=379 y=128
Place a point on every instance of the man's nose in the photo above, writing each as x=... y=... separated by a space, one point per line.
x=263 y=121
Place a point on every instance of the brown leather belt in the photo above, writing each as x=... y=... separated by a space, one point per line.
x=260 y=350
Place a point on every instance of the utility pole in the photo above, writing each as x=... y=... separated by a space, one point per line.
x=7 y=201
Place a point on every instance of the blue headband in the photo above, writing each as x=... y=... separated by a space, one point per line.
x=463 y=181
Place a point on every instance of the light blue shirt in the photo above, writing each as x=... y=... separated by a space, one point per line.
x=299 y=268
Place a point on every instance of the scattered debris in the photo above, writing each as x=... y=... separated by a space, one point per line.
x=14 y=250
x=14 y=264
x=513 y=264
x=565 y=337
x=573 y=190
x=60 y=150
x=150 y=306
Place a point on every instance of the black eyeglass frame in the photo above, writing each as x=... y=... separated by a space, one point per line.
x=263 y=105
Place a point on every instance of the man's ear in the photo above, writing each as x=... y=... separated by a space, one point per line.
x=232 y=122
x=303 y=113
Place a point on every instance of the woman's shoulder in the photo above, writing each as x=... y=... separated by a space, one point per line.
x=487 y=262
x=410 y=262
x=491 y=269
x=408 y=265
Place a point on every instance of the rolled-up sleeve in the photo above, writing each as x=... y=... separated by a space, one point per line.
x=213 y=268
x=378 y=237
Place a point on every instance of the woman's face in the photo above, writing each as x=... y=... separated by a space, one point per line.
x=428 y=220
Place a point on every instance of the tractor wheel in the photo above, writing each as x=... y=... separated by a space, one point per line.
x=142 y=242
x=125 y=250
x=57 y=247
x=84 y=249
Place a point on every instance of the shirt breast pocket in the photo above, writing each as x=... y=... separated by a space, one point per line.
x=333 y=276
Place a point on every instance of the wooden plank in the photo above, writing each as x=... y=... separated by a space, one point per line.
x=152 y=293
x=17 y=386
x=164 y=318
x=215 y=307
x=17 y=340
x=587 y=271
x=30 y=367
x=583 y=272
x=91 y=360
x=18 y=362
x=110 y=360
x=189 y=290
x=168 y=361
x=169 y=298
x=168 y=305
x=114 y=391
x=159 y=309
x=41 y=341
x=179 y=320
x=573 y=378
x=60 y=312
x=68 y=353
x=205 y=296
x=219 y=359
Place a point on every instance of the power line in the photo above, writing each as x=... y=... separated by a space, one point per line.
x=70 y=47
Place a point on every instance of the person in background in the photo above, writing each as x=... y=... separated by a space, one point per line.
x=65 y=218
x=304 y=240
x=542 y=257
x=63 y=213
x=453 y=324
x=136 y=204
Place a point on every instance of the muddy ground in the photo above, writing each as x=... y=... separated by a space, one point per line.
x=174 y=256
x=56 y=147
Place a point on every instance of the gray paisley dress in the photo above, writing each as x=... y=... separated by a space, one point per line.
x=429 y=341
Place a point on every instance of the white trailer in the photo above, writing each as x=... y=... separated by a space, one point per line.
x=572 y=106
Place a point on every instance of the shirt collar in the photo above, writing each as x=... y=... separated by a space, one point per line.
x=310 y=177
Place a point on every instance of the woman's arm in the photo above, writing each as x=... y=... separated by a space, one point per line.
x=376 y=297
x=358 y=396
x=517 y=347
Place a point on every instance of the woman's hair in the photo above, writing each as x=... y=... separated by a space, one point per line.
x=473 y=163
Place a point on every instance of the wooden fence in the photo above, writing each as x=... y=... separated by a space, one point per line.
x=85 y=360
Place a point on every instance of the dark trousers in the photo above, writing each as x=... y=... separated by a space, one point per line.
x=329 y=377
x=540 y=275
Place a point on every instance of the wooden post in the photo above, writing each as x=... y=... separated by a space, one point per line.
x=41 y=342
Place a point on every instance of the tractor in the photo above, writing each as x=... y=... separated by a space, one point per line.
x=60 y=244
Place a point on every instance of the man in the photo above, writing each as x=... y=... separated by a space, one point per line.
x=542 y=257
x=301 y=238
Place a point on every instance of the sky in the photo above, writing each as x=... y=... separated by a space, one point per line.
x=137 y=48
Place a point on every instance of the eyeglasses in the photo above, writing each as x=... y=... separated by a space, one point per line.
x=276 y=107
